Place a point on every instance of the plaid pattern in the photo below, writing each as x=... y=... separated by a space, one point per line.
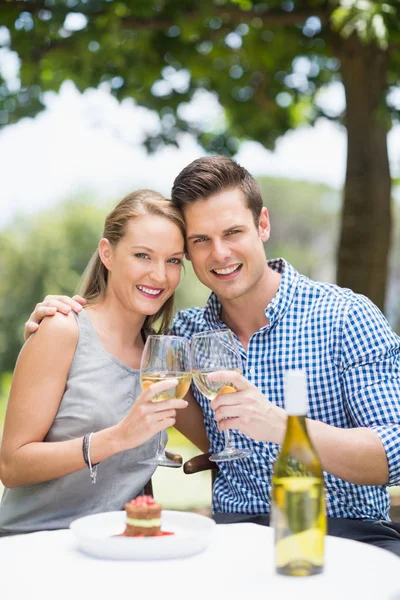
x=352 y=358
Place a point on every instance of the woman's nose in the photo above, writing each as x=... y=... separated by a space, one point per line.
x=158 y=273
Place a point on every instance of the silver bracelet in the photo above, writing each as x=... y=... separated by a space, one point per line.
x=86 y=456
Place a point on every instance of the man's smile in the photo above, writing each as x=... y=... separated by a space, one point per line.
x=227 y=272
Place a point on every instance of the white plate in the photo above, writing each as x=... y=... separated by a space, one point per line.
x=95 y=536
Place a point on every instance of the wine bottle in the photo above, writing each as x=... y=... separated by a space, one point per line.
x=298 y=498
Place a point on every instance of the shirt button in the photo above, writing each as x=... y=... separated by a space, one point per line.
x=252 y=371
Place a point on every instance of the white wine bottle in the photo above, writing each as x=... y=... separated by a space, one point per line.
x=298 y=495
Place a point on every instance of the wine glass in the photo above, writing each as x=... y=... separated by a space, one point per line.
x=217 y=351
x=165 y=357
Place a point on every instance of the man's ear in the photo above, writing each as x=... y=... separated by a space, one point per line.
x=264 y=227
x=105 y=253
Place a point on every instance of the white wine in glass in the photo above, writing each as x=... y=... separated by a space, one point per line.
x=211 y=389
x=179 y=391
x=217 y=351
x=165 y=357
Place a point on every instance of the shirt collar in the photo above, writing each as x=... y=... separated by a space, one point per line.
x=279 y=304
x=286 y=290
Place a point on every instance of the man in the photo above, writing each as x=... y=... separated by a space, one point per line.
x=283 y=320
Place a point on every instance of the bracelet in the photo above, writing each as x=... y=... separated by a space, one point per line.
x=86 y=456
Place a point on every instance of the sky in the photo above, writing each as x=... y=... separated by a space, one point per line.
x=89 y=144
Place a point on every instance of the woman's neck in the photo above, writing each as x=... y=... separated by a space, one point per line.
x=113 y=322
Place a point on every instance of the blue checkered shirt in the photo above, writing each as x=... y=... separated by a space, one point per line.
x=352 y=358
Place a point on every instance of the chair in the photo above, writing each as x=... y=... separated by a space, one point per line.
x=177 y=458
x=194 y=465
x=200 y=463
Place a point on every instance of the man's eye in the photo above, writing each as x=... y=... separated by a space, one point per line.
x=200 y=239
x=232 y=231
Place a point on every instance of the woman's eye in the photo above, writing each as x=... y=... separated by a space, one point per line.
x=141 y=255
x=175 y=261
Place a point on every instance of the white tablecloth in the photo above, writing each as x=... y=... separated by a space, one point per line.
x=237 y=564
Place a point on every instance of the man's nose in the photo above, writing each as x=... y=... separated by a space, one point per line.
x=220 y=251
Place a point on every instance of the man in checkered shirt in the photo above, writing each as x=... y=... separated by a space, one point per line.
x=283 y=320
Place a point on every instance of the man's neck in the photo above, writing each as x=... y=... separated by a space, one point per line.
x=246 y=315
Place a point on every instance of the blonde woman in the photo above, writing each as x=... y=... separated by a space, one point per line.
x=76 y=392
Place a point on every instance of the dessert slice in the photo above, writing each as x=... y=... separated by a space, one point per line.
x=143 y=517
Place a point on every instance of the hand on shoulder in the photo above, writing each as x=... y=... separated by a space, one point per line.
x=49 y=307
x=60 y=333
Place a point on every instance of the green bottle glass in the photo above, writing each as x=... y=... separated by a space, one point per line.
x=298 y=495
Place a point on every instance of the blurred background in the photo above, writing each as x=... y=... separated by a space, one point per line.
x=101 y=97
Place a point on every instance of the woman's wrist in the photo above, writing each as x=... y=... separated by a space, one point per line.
x=106 y=443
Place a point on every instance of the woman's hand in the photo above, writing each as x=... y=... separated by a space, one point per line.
x=49 y=307
x=146 y=417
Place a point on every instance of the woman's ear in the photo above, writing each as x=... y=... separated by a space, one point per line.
x=105 y=253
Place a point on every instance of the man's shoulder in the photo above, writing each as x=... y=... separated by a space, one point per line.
x=328 y=293
x=343 y=304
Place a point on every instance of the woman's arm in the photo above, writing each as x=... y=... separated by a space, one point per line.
x=36 y=392
x=37 y=388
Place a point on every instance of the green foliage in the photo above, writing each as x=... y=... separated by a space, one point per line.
x=44 y=255
x=5 y=384
x=161 y=53
x=371 y=21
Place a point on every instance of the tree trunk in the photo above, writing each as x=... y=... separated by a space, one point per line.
x=366 y=214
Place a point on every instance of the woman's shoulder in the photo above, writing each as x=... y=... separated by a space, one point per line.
x=58 y=328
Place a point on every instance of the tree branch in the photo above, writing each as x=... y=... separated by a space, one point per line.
x=269 y=18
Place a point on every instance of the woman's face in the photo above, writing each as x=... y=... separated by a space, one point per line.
x=145 y=266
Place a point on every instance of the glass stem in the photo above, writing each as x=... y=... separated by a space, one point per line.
x=160 y=450
x=228 y=439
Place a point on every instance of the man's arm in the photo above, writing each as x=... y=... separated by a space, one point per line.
x=49 y=307
x=356 y=455
x=367 y=354
x=191 y=424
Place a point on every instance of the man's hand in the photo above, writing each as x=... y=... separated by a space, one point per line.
x=49 y=307
x=248 y=410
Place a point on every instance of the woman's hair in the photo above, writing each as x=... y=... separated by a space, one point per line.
x=93 y=284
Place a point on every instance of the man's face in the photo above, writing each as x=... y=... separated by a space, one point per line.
x=224 y=244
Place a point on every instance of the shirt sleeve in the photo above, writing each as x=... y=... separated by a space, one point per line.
x=370 y=371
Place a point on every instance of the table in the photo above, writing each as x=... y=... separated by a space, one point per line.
x=237 y=564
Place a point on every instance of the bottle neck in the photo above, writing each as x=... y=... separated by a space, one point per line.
x=297 y=444
x=296 y=431
x=296 y=422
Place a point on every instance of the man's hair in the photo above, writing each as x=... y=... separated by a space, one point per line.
x=212 y=174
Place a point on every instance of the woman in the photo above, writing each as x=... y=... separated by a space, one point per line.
x=75 y=397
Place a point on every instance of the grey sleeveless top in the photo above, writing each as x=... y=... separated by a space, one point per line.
x=99 y=392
